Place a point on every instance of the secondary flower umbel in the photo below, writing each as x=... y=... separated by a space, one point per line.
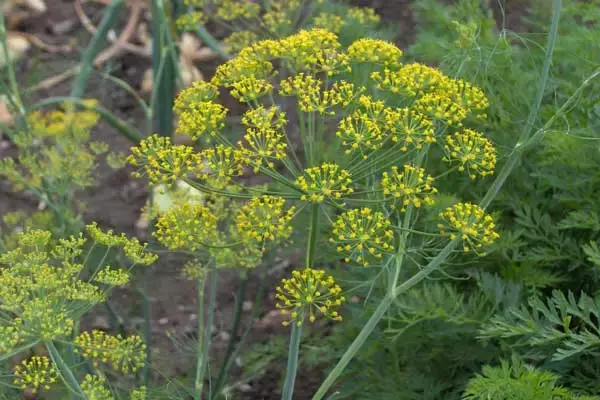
x=308 y=293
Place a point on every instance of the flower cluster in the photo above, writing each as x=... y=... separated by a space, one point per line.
x=94 y=388
x=112 y=277
x=375 y=51
x=199 y=119
x=470 y=223
x=186 y=226
x=313 y=98
x=264 y=218
x=327 y=181
x=124 y=354
x=34 y=374
x=364 y=129
x=162 y=161
x=412 y=186
x=409 y=127
x=362 y=235
x=307 y=293
x=472 y=152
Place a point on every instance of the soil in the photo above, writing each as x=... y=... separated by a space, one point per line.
x=116 y=199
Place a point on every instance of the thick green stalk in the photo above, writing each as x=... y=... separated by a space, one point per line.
x=96 y=44
x=445 y=253
x=15 y=94
x=313 y=233
x=199 y=358
x=227 y=361
x=65 y=372
x=147 y=313
x=292 y=362
x=164 y=70
x=203 y=357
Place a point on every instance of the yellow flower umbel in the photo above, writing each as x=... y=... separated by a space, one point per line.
x=363 y=15
x=364 y=130
x=327 y=181
x=201 y=119
x=112 y=277
x=94 y=388
x=308 y=293
x=362 y=235
x=265 y=219
x=161 y=161
x=221 y=163
x=470 y=223
x=411 y=186
x=230 y=10
x=36 y=373
x=240 y=40
x=409 y=127
x=333 y=23
x=311 y=95
x=375 y=51
x=126 y=355
x=250 y=89
x=186 y=226
x=472 y=152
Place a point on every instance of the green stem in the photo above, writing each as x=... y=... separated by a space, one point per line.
x=65 y=372
x=292 y=362
x=313 y=233
x=435 y=263
x=199 y=374
x=147 y=311
x=15 y=95
x=96 y=44
x=207 y=322
x=239 y=305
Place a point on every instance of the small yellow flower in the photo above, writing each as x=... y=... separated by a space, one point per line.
x=230 y=10
x=472 y=152
x=333 y=23
x=412 y=80
x=189 y=21
x=308 y=293
x=161 y=161
x=264 y=219
x=362 y=235
x=112 y=277
x=94 y=388
x=240 y=40
x=468 y=222
x=263 y=146
x=326 y=181
x=250 y=89
x=411 y=186
x=313 y=97
x=201 y=118
x=364 y=130
x=409 y=127
x=442 y=107
x=363 y=15
x=200 y=91
x=312 y=51
x=138 y=253
x=221 y=163
x=126 y=355
x=36 y=373
x=375 y=51
x=186 y=226
x=140 y=393
x=262 y=118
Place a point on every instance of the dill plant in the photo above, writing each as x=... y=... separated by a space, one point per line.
x=360 y=177
x=47 y=285
x=247 y=22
